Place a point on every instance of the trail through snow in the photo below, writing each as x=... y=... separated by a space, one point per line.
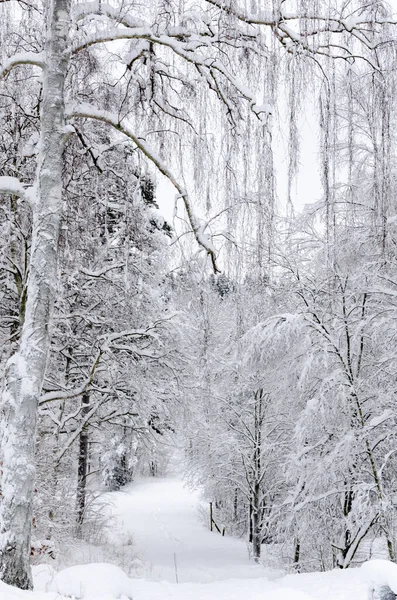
x=161 y=518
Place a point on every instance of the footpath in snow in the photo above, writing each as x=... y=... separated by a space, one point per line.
x=183 y=560
x=162 y=516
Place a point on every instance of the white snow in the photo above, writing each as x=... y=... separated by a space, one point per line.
x=350 y=23
x=24 y=58
x=375 y=421
x=380 y=573
x=97 y=581
x=162 y=519
x=11 y=185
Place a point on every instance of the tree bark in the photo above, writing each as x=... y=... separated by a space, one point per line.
x=82 y=468
x=297 y=554
x=256 y=485
x=256 y=530
x=26 y=368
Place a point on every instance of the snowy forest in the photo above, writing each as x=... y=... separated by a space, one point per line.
x=198 y=265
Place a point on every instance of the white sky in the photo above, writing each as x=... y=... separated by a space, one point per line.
x=306 y=189
x=307 y=186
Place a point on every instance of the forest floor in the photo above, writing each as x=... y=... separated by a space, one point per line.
x=162 y=522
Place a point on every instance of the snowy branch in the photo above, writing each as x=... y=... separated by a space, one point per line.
x=12 y=185
x=89 y=9
x=102 y=271
x=290 y=38
x=186 y=49
x=105 y=342
x=75 y=392
x=25 y=58
x=79 y=429
x=334 y=24
x=90 y=112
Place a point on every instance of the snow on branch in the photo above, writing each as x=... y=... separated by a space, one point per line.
x=262 y=18
x=88 y=9
x=149 y=331
x=272 y=19
x=90 y=112
x=12 y=185
x=182 y=43
x=75 y=392
x=79 y=429
x=105 y=342
x=103 y=271
x=315 y=25
x=25 y=58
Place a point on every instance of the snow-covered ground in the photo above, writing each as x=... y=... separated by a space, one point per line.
x=161 y=516
x=183 y=560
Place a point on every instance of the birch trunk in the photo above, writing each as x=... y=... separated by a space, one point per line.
x=26 y=368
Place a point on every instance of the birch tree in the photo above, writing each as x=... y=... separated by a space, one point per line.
x=25 y=369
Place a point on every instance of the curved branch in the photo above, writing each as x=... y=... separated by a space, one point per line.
x=26 y=58
x=90 y=112
x=210 y=64
x=89 y=9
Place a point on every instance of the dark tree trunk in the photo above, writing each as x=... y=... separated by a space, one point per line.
x=82 y=469
x=297 y=554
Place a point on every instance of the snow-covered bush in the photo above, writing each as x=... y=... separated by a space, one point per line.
x=118 y=465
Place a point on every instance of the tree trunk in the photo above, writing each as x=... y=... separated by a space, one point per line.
x=82 y=468
x=297 y=554
x=256 y=525
x=26 y=368
x=257 y=470
x=250 y=536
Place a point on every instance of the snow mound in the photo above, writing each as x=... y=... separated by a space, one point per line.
x=43 y=576
x=288 y=594
x=9 y=593
x=380 y=573
x=99 y=581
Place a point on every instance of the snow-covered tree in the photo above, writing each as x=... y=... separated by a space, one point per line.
x=178 y=81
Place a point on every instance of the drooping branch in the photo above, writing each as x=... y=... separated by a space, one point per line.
x=90 y=112
x=183 y=44
x=282 y=25
x=335 y=24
